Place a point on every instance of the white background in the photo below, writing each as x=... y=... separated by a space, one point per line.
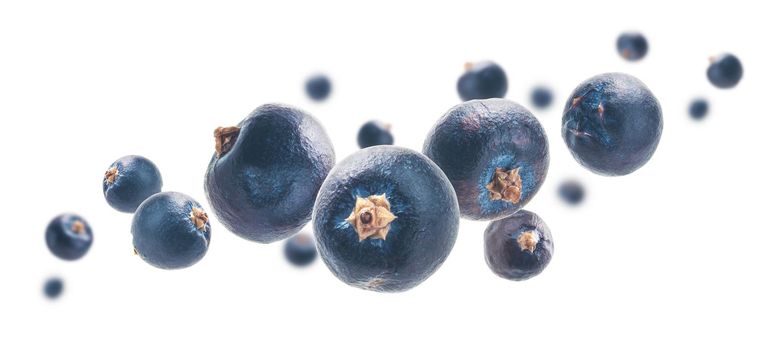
x=680 y=254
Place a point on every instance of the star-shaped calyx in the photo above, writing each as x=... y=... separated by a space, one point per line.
x=505 y=185
x=111 y=174
x=199 y=218
x=528 y=240
x=371 y=217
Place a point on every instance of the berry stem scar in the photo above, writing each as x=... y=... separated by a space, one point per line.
x=505 y=185
x=225 y=139
x=371 y=217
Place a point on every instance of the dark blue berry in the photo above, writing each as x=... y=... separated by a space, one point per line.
x=632 y=46
x=572 y=192
x=300 y=250
x=171 y=230
x=263 y=179
x=69 y=236
x=494 y=152
x=53 y=287
x=542 y=97
x=698 y=109
x=318 y=87
x=612 y=124
x=481 y=81
x=374 y=133
x=518 y=247
x=725 y=71
x=129 y=181
x=385 y=219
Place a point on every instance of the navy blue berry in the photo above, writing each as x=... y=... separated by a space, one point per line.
x=572 y=192
x=129 y=181
x=698 y=109
x=541 y=97
x=518 y=247
x=385 y=219
x=318 y=87
x=612 y=124
x=494 y=152
x=171 y=230
x=632 y=46
x=300 y=250
x=481 y=81
x=374 y=133
x=725 y=71
x=53 y=288
x=69 y=236
x=263 y=179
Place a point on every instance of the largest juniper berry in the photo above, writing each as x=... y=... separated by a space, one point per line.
x=385 y=219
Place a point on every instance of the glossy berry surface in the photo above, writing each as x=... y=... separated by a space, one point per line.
x=518 y=247
x=494 y=152
x=725 y=71
x=572 y=192
x=318 y=87
x=69 y=236
x=170 y=230
x=698 y=109
x=129 y=181
x=263 y=179
x=385 y=219
x=541 y=97
x=481 y=81
x=374 y=133
x=53 y=287
x=300 y=250
x=632 y=46
x=612 y=124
